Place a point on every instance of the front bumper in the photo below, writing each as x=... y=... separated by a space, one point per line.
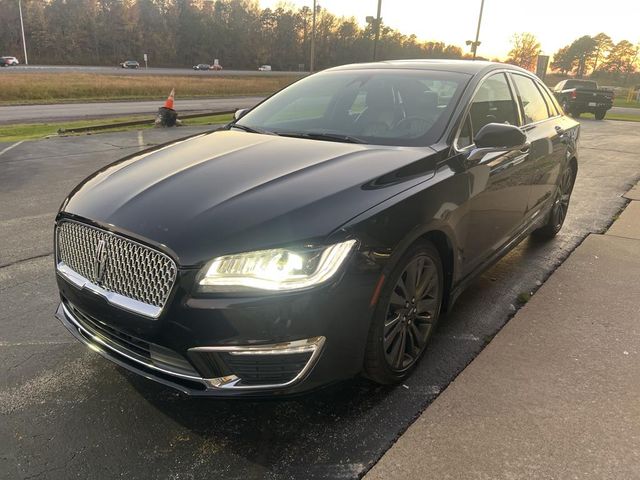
x=168 y=368
x=278 y=345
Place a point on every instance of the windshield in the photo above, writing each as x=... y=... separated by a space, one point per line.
x=388 y=107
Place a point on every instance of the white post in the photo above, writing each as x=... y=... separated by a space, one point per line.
x=312 y=60
x=24 y=43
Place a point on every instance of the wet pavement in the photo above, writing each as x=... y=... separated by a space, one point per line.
x=67 y=413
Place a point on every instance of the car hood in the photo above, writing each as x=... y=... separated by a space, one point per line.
x=227 y=191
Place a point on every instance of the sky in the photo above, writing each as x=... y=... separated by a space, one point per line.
x=554 y=22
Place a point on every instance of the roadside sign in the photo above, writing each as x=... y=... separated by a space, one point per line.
x=542 y=65
x=216 y=62
x=145 y=60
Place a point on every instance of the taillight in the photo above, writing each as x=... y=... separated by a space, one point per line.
x=574 y=95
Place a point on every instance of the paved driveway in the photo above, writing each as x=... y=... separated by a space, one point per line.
x=67 y=413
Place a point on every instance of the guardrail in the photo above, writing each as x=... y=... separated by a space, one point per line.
x=108 y=126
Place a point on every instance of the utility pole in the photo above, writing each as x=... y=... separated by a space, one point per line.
x=312 y=61
x=477 y=43
x=24 y=43
x=377 y=38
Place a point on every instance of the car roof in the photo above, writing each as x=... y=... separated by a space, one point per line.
x=471 y=67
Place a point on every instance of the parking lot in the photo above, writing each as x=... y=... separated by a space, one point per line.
x=65 y=412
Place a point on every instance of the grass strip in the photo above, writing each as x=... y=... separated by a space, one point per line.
x=32 y=131
x=47 y=88
x=622 y=102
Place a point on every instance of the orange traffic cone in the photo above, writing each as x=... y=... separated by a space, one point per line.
x=169 y=102
x=167 y=116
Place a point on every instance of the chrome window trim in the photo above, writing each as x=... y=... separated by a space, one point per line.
x=467 y=108
x=113 y=298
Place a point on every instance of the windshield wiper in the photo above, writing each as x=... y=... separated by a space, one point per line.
x=332 y=137
x=245 y=128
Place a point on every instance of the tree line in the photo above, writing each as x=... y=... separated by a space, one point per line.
x=597 y=54
x=185 y=32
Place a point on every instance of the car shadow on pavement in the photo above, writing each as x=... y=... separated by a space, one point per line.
x=305 y=433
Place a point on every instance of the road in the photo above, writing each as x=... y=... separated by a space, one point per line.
x=625 y=110
x=67 y=413
x=115 y=70
x=79 y=111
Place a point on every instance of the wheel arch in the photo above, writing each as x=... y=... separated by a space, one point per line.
x=445 y=248
x=443 y=240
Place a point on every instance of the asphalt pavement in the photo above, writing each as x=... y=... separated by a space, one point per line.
x=67 y=413
x=626 y=110
x=79 y=111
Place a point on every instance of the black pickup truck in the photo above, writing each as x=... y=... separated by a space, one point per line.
x=580 y=96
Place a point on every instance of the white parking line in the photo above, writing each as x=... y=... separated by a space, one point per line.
x=140 y=139
x=5 y=150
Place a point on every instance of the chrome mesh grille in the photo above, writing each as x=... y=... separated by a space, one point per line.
x=130 y=269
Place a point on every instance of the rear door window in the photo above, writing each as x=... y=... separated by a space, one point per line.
x=533 y=104
x=553 y=107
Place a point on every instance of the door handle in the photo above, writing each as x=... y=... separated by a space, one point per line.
x=561 y=131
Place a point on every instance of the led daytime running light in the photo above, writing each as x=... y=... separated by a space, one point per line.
x=277 y=269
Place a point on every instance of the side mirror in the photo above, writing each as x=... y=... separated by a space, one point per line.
x=241 y=112
x=498 y=137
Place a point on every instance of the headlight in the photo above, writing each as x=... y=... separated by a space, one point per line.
x=276 y=270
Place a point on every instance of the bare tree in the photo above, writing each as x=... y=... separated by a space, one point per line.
x=524 y=51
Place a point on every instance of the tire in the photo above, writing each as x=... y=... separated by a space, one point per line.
x=406 y=315
x=599 y=114
x=567 y=109
x=558 y=212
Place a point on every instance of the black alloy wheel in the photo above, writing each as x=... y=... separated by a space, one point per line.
x=560 y=206
x=406 y=315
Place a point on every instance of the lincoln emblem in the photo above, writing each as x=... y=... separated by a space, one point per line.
x=100 y=262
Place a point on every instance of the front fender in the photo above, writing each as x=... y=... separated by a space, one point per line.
x=437 y=205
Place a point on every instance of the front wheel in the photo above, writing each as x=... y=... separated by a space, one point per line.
x=560 y=206
x=600 y=114
x=406 y=315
